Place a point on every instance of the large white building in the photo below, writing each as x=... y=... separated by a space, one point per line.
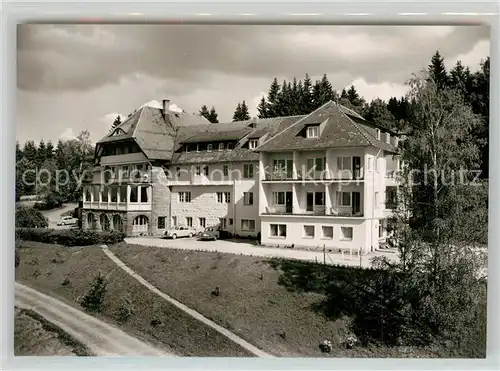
x=313 y=180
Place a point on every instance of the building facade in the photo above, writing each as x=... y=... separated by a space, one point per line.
x=312 y=180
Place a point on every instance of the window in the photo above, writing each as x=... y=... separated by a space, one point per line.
x=225 y=170
x=227 y=197
x=253 y=143
x=343 y=198
x=174 y=221
x=144 y=194
x=205 y=170
x=161 y=222
x=229 y=146
x=198 y=170
x=123 y=193
x=202 y=222
x=309 y=231
x=222 y=223
x=346 y=233
x=138 y=167
x=87 y=195
x=316 y=164
x=189 y=221
x=114 y=194
x=313 y=131
x=248 y=171
x=184 y=196
x=221 y=146
x=344 y=163
x=279 y=198
x=327 y=232
x=248 y=225
x=278 y=230
x=248 y=198
x=219 y=197
x=378 y=134
x=187 y=148
x=210 y=147
x=319 y=198
x=104 y=196
x=133 y=194
x=380 y=231
x=230 y=221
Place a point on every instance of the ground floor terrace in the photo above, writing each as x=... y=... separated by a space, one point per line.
x=358 y=234
x=131 y=223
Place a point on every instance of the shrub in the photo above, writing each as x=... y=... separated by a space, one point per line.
x=93 y=300
x=30 y=218
x=126 y=309
x=69 y=237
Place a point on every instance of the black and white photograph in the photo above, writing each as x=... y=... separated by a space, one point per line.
x=224 y=190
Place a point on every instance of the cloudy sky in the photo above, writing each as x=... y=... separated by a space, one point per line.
x=75 y=77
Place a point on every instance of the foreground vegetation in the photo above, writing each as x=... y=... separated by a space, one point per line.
x=69 y=274
x=35 y=336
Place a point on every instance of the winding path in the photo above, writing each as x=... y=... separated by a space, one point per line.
x=101 y=338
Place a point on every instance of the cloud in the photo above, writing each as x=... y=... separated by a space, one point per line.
x=67 y=134
x=50 y=57
x=155 y=104
x=471 y=58
x=382 y=90
x=109 y=118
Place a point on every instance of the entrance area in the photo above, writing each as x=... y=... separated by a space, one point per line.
x=140 y=224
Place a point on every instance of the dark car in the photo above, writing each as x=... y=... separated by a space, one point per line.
x=210 y=233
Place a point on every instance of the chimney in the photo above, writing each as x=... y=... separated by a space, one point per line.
x=254 y=121
x=165 y=107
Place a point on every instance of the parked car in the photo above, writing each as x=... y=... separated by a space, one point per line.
x=210 y=233
x=67 y=220
x=180 y=231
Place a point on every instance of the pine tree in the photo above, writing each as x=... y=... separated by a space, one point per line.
x=41 y=154
x=19 y=152
x=49 y=150
x=213 y=116
x=262 y=108
x=378 y=113
x=307 y=96
x=205 y=112
x=61 y=159
x=244 y=112
x=237 y=113
x=437 y=71
x=116 y=123
x=272 y=98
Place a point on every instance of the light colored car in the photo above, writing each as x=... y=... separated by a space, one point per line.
x=180 y=231
x=67 y=220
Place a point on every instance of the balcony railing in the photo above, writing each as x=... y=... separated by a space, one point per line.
x=279 y=175
x=336 y=211
x=314 y=175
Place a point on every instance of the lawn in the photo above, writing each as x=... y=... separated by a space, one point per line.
x=273 y=305
x=35 y=336
x=67 y=273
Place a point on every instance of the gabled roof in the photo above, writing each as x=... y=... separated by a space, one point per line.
x=343 y=128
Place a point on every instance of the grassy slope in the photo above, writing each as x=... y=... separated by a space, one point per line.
x=251 y=303
x=35 y=336
x=46 y=267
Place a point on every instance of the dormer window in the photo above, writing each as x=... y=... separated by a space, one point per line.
x=210 y=147
x=187 y=148
x=253 y=143
x=387 y=137
x=229 y=146
x=118 y=132
x=197 y=148
x=378 y=134
x=313 y=131
x=221 y=146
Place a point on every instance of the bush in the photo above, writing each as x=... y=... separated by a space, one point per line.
x=51 y=201
x=30 y=218
x=69 y=237
x=126 y=309
x=93 y=300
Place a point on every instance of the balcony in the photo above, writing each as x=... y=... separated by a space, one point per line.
x=336 y=211
x=280 y=176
